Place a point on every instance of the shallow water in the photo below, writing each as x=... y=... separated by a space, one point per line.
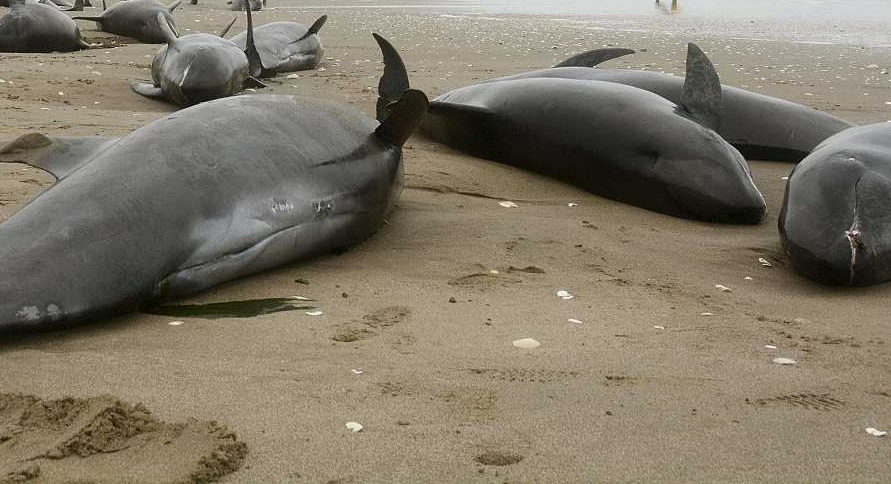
x=858 y=22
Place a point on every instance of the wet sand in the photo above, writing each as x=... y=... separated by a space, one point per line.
x=441 y=392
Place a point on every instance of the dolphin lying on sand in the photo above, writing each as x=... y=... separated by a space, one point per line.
x=286 y=46
x=211 y=193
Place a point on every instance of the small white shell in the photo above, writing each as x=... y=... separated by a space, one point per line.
x=576 y=321
x=723 y=288
x=507 y=204
x=314 y=313
x=784 y=361
x=354 y=426
x=564 y=294
x=526 y=344
x=176 y=323
x=876 y=432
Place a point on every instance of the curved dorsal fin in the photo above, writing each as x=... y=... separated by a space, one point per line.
x=166 y=29
x=314 y=28
x=393 y=82
x=255 y=65
x=702 y=88
x=594 y=57
x=172 y=6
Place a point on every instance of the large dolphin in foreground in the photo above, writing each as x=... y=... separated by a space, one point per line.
x=759 y=126
x=200 y=67
x=286 y=46
x=617 y=141
x=137 y=19
x=835 y=223
x=35 y=27
x=204 y=195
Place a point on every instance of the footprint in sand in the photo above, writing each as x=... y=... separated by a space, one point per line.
x=104 y=440
x=371 y=324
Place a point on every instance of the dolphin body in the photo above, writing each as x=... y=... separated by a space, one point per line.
x=835 y=223
x=207 y=194
x=617 y=141
x=35 y=27
x=137 y=19
x=200 y=67
x=760 y=127
x=286 y=46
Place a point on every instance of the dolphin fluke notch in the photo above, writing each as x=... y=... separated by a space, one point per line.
x=393 y=82
x=255 y=64
x=594 y=57
x=314 y=28
x=702 y=88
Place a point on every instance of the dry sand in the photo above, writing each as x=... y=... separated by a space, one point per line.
x=442 y=393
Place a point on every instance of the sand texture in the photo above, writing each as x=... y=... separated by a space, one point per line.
x=661 y=378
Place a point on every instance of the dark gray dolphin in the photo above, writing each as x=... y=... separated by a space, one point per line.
x=617 y=141
x=835 y=223
x=137 y=19
x=200 y=67
x=208 y=194
x=34 y=27
x=759 y=126
x=286 y=46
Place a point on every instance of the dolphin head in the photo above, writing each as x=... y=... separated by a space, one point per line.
x=835 y=223
x=199 y=71
x=708 y=179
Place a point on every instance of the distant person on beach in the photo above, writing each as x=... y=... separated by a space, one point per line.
x=674 y=6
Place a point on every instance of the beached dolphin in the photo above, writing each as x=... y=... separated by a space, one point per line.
x=35 y=27
x=137 y=19
x=617 y=141
x=204 y=195
x=835 y=223
x=200 y=67
x=286 y=46
x=760 y=127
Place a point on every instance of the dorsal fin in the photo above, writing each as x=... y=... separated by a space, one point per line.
x=314 y=28
x=57 y=156
x=174 y=5
x=393 y=82
x=405 y=116
x=594 y=57
x=255 y=65
x=166 y=30
x=702 y=88
x=225 y=31
x=104 y=8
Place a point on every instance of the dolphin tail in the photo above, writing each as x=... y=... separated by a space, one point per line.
x=225 y=31
x=314 y=29
x=255 y=65
x=594 y=57
x=702 y=88
x=174 y=5
x=400 y=110
x=394 y=81
x=166 y=29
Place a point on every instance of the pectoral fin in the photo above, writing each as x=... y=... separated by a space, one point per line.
x=57 y=156
x=147 y=90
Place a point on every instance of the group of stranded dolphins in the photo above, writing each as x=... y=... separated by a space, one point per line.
x=242 y=184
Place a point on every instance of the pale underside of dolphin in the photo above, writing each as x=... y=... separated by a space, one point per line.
x=760 y=126
x=208 y=194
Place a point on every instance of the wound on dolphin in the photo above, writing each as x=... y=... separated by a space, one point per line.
x=287 y=178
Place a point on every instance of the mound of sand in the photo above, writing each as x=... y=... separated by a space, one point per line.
x=105 y=440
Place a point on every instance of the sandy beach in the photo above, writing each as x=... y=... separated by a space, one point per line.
x=660 y=377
